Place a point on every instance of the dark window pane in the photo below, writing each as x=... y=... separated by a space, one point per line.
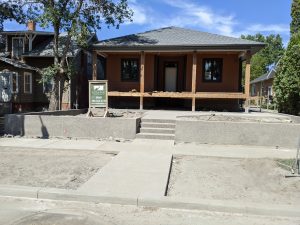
x=130 y=69
x=212 y=70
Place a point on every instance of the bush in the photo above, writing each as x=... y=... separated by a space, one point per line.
x=287 y=79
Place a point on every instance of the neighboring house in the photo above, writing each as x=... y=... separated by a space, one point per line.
x=175 y=67
x=25 y=54
x=262 y=87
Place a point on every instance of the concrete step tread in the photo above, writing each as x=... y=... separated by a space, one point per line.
x=155 y=136
x=157 y=123
x=157 y=130
x=158 y=134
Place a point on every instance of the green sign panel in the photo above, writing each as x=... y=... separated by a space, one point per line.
x=98 y=94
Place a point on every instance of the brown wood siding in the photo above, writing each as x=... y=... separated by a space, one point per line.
x=114 y=73
x=229 y=83
x=230 y=74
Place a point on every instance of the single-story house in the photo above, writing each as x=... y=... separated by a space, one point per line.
x=175 y=67
x=262 y=87
x=28 y=51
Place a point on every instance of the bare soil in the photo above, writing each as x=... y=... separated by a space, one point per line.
x=239 y=118
x=67 y=169
x=244 y=180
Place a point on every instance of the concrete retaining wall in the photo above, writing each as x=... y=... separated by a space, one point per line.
x=71 y=112
x=238 y=133
x=69 y=126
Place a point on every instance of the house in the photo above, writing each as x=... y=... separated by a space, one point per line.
x=174 y=67
x=25 y=54
x=262 y=87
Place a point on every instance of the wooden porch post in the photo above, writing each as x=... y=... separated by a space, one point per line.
x=142 y=80
x=94 y=65
x=247 y=81
x=194 y=76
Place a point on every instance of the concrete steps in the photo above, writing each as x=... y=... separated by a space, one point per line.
x=157 y=129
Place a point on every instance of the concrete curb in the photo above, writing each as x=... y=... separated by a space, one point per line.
x=143 y=201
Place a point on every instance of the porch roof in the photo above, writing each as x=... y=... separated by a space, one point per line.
x=17 y=64
x=175 y=38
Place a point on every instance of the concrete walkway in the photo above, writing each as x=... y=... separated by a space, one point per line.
x=132 y=174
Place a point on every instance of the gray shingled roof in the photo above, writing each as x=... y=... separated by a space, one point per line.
x=267 y=76
x=18 y=64
x=175 y=37
x=45 y=49
x=16 y=32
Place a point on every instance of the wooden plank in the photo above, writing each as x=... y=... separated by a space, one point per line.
x=194 y=79
x=123 y=94
x=168 y=94
x=94 y=65
x=142 y=79
x=186 y=95
x=247 y=81
x=220 y=95
x=247 y=75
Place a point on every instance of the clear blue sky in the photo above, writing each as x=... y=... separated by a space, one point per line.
x=227 y=17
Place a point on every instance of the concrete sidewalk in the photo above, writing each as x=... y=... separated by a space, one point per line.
x=132 y=174
x=161 y=146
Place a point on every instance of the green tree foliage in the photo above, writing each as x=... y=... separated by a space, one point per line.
x=295 y=13
x=78 y=18
x=287 y=79
x=273 y=51
x=10 y=11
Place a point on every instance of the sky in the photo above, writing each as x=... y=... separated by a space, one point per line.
x=225 y=17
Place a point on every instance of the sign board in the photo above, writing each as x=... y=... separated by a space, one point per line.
x=98 y=97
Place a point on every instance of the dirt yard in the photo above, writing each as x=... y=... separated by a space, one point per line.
x=66 y=169
x=244 y=180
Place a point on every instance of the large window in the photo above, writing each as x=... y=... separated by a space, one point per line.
x=27 y=83
x=17 y=47
x=212 y=70
x=130 y=70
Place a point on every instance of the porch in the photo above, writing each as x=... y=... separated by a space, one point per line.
x=189 y=83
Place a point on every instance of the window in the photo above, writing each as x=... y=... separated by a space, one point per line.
x=212 y=70
x=130 y=70
x=14 y=83
x=17 y=47
x=27 y=83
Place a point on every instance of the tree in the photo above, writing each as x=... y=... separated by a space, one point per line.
x=267 y=56
x=10 y=11
x=287 y=79
x=295 y=13
x=78 y=18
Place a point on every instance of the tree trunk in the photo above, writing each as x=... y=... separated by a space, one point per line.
x=57 y=93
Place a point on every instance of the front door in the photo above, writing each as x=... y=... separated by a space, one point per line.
x=171 y=77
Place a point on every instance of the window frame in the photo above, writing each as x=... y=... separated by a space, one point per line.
x=220 y=60
x=12 y=45
x=30 y=83
x=17 y=83
x=138 y=71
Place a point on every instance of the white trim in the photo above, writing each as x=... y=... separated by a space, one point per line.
x=28 y=74
x=12 y=44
